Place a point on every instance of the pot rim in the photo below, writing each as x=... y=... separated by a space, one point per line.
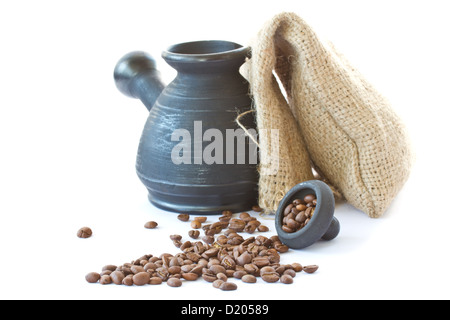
x=206 y=50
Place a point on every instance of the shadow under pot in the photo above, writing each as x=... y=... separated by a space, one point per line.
x=306 y=215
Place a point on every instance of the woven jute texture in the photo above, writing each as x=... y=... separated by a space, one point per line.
x=330 y=119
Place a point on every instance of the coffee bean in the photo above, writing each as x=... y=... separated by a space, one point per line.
x=286 y=279
x=84 y=233
x=309 y=198
x=155 y=280
x=183 y=217
x=189 y=276
x=297 y=267
x=92 y=277
x=117 y=277
x=109 y=267
x=228 y=262
x=141 y=278
x=237 y=225
x=174 y=282
x=194 y=234
x=151 y=225
x=249 y=278
x=244 y=258
x=270 y=276
x=287 y=210
x=310 y=268
x=227 y=213
x=209 y=276
x=200 y=219
x=195 y=224
x=217 y=283
x=105 y=279
x=175 y=237
x=239 y=274
x=257 y=208
x=128 y=280
x=263 y=228
x=227 y=286
x=222 y=276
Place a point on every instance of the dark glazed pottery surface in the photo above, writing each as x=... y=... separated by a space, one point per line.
x=207 y=93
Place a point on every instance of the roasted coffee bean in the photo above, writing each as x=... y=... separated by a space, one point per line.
x=190 y=276
x=237 y=225
x=261 y=261
x=249 y=278
x=217 y=283
x=151 y=225
x=175 y=237
x=117 y=277
x=217 y=268
x=141 y=278
x=310 y=268
x=105 y=279
x=194 y=234
x=195 y=224
x=92 y=277
x=309 y=198
x=109 y=267
x=128 y=280
x=227 y=286
x=263 y=228
x=286 y=279
x=290 y=272
x=257 y=208
x=183 y=217
x=209 y=276
x=84 y=233
x=201 y=219
x=251 y=268
x=222 y=276
x=174 y=282
x=269 y=274
x=297 y=267
x=228 y=262
x=239 y=274
x=244 y=258
x=287 y=210
x=227 y=213
x=155 y=280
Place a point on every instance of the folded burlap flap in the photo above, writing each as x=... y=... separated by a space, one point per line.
x=333 y=121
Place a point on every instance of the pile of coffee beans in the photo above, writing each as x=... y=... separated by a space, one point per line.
x=298 y=213
x=219 y=257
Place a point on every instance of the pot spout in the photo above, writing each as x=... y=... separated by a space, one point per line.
x=136 y=76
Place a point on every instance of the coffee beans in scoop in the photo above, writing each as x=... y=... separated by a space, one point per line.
x=298 y=213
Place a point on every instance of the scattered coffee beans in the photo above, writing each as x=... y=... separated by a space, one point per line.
x=298 y=213
x=84 y=232
x=223 y=254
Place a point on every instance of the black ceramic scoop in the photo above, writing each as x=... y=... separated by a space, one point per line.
x=323 y=224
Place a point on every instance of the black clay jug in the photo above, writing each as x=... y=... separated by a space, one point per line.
x=193 y=157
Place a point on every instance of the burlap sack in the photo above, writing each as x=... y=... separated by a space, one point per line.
x=333 y=120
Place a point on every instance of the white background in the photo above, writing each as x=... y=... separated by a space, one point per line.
x=69 y=138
